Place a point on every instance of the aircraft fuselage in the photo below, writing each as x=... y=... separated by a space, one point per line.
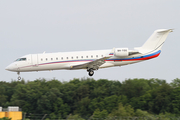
x=64 y=60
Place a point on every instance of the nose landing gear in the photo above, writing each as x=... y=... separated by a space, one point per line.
x=19 y=77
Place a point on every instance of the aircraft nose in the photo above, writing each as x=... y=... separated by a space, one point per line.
x=7 y=68
x=10 y=67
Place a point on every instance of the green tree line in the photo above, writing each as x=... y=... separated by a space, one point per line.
x=89 y=98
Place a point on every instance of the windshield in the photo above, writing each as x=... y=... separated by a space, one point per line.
x=21 y=59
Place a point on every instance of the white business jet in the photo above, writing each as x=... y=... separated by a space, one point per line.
x=91 y=60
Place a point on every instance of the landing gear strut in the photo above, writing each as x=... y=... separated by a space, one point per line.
x=19 y=77
x=91 y=72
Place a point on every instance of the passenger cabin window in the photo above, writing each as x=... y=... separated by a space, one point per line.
x=81 y=56
x=101 y=55
x=61 y=58
x=41 y=59
x=67 y=57
x=96 y=55
x=51 y=58
x=91 y=56
x=71 y=57
x=77 y=57
x=56 y=58
x=86 y=56
x=21 y=59
x=46 y=59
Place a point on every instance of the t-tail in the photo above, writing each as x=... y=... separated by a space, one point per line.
x=155 y=42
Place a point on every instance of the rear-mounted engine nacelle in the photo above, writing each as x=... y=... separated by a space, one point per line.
x=121 y=52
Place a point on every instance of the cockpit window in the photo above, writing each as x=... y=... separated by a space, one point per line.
x=21 y=59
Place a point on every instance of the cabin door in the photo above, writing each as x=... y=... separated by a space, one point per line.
x=34 y=60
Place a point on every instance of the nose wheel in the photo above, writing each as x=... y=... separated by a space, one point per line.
x=19 y=77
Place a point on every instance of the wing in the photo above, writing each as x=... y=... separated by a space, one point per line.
x=94 y=64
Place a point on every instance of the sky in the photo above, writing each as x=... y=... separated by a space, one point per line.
x=35 y=26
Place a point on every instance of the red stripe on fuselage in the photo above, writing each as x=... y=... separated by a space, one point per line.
x=145 y=58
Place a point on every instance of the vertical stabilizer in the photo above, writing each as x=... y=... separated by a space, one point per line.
x=155 y=41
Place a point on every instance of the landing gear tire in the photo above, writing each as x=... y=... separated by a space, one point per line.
x=91 y=72
x=19 y=78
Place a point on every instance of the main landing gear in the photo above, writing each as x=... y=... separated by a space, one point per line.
x=19 y=77
x=91 y=72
